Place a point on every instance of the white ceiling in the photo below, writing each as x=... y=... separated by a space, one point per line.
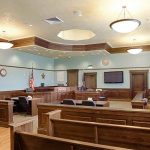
x=16 y=16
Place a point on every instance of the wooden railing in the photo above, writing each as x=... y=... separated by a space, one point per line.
x=107 y=134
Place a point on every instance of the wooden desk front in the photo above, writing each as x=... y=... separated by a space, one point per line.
x=97 y=103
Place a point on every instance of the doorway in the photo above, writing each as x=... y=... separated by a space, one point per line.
x=72 y=77
x=90 y=80
x=138 y=81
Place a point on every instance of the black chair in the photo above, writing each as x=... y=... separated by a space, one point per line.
x=23 y=104
x=88 y=103
x=68 y=102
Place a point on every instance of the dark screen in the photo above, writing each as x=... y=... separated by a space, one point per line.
x=113 y=77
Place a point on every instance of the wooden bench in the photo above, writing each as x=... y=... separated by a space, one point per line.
x=138 y=102
x=132 y=117
x=6 y=113
x=21 y=139
x=99 y=133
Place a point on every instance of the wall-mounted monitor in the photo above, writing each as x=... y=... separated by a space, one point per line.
x=113 y=77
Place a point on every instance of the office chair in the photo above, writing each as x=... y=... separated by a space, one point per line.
x=23 y=104
x=88 y=103
x=68 y=102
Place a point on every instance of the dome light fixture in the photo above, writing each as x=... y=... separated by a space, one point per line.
x=90 y=67
x=134 y=51
x=5 y=44
x=125 y=25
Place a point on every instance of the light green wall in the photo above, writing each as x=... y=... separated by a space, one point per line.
x=18 y=78
x=124 y=62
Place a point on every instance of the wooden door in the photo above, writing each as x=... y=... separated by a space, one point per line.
x=90 y=80
x=72 y=77
x=138 y=81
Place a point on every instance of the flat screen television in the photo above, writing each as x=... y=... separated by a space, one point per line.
x=113 y=77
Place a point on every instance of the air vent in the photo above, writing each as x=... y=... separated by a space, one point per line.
x=54 y=20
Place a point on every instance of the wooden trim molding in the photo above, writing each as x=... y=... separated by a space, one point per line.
x=63 y=47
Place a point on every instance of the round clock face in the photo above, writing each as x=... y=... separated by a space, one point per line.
x=3 y=72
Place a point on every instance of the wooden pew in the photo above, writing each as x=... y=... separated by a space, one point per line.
x=33 y=105
x=21 y=139
x=107 y=134
x=27 y=141
x=137 y=101
x=132 y=117
x=26 y=126
x=6 y=113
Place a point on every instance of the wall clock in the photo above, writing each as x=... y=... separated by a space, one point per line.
x=3 y=72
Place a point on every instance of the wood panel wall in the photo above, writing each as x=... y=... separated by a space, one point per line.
x=113 y=135
x=102 y=115
x=27 y=141
x=6 y=113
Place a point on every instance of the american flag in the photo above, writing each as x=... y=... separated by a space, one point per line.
x=31 y=81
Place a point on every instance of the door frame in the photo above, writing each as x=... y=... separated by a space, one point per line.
x=145 y=73
x=91 y=73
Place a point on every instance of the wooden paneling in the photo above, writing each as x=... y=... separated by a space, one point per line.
x=89 y=47
x=119 y=93
x=6 y=113
x=24 y=42
x=113 y=135
x=84 y=95
x=96 y=114
x=27 y=141
x=26 y=126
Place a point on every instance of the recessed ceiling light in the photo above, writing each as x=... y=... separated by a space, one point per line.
x=30 y=25
x=76 y=34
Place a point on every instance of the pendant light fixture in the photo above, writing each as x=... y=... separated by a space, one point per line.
x=5 y=44
x=125 y=25
x=134 y=50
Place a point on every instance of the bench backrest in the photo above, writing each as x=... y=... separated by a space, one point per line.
x=113 y=135
x=26 y=141
x=132 y=117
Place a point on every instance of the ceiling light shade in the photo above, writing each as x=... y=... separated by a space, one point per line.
x=135 y=50
x=90 y=66
x=125 y=25
x=5 y=45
